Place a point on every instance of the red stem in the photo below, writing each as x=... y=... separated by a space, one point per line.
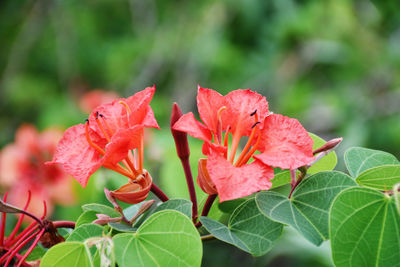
x=159 y=193
x=64 y=224
x=183 y=151
x=208 y=204
x=192 y=191
x=207 y=207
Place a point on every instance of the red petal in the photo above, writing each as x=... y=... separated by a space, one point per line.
x=208 y=104
x=187 y=123
x=284 y=143
x=76 y=156
x=121 y=142
x=240 y=104
x=236 y=182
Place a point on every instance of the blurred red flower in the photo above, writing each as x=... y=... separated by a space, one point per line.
x=22 y=169
x=106 y=139
x=95 y=98
x=282 y=141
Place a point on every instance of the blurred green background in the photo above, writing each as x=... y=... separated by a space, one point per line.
x=332 y=64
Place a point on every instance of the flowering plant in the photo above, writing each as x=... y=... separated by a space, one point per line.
x=266 y=169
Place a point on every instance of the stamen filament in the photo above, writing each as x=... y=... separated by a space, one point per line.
x=3 y=222
x=235 y=144
x=102 y=130
x=120 y=170
x=246 y=147
x=129 y=164
x=16 y=245
x=96 y=147
x=37 y=239
x=218 y=137
x=252 y=150
x=21 y=217
x=226 y=136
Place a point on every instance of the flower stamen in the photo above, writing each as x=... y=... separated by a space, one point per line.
x=248 y=144
x=218 y=137
x=102 y=128
x=96 y=147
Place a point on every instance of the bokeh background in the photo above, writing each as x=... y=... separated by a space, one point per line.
x=333 y=64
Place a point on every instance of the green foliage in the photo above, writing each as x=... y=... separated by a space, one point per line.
x=364 y=229
x=182 y=205
x=99 y=208
x=381 y=178
x=327 y=163
x=359 y=159
x=84 y=232
x=307 y=209
x=68 y=254
x=248 y=229
x=86 y=217
x=166 y=238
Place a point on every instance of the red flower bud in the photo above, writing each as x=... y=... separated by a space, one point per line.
x=204 y=180
x=135 y=191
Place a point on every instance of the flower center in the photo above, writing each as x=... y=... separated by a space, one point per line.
x=130 y=169
x=250 y=147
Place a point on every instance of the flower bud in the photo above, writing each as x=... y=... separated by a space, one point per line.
x=204 y=180
x=134 y=191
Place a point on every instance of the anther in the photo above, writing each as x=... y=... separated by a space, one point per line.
x=254 y=125
x=253 y=113
x=87 y=120
x=97 y=115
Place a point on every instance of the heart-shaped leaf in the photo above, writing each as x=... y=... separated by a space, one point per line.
x=86 y=217
x=307 y=209
x=182 y=205
x=359 y=159
x=103 y=209
x=327 y=163
x=381 y=178
x=67 y=254
x=166 y=238
x=85 y=231
x=248 y=229
x=364 y=229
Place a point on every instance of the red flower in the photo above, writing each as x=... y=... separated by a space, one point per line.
x=22 y=169
x=107 y=138
x=282 y=141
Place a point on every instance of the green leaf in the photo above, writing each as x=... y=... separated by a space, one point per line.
x=122 y=227
x=381 y=178
x=86 y=217
x=307 y=209
x=67 y=254
x=103 y=209
x=230 y=205
x=182 y=205
x=248 y=229
x=359 y=159
x=37 y=253
x=327 y=163
x=166 y=238
x=281 y=178
x=131 y=211
x=364 y=229
x=85 y=231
